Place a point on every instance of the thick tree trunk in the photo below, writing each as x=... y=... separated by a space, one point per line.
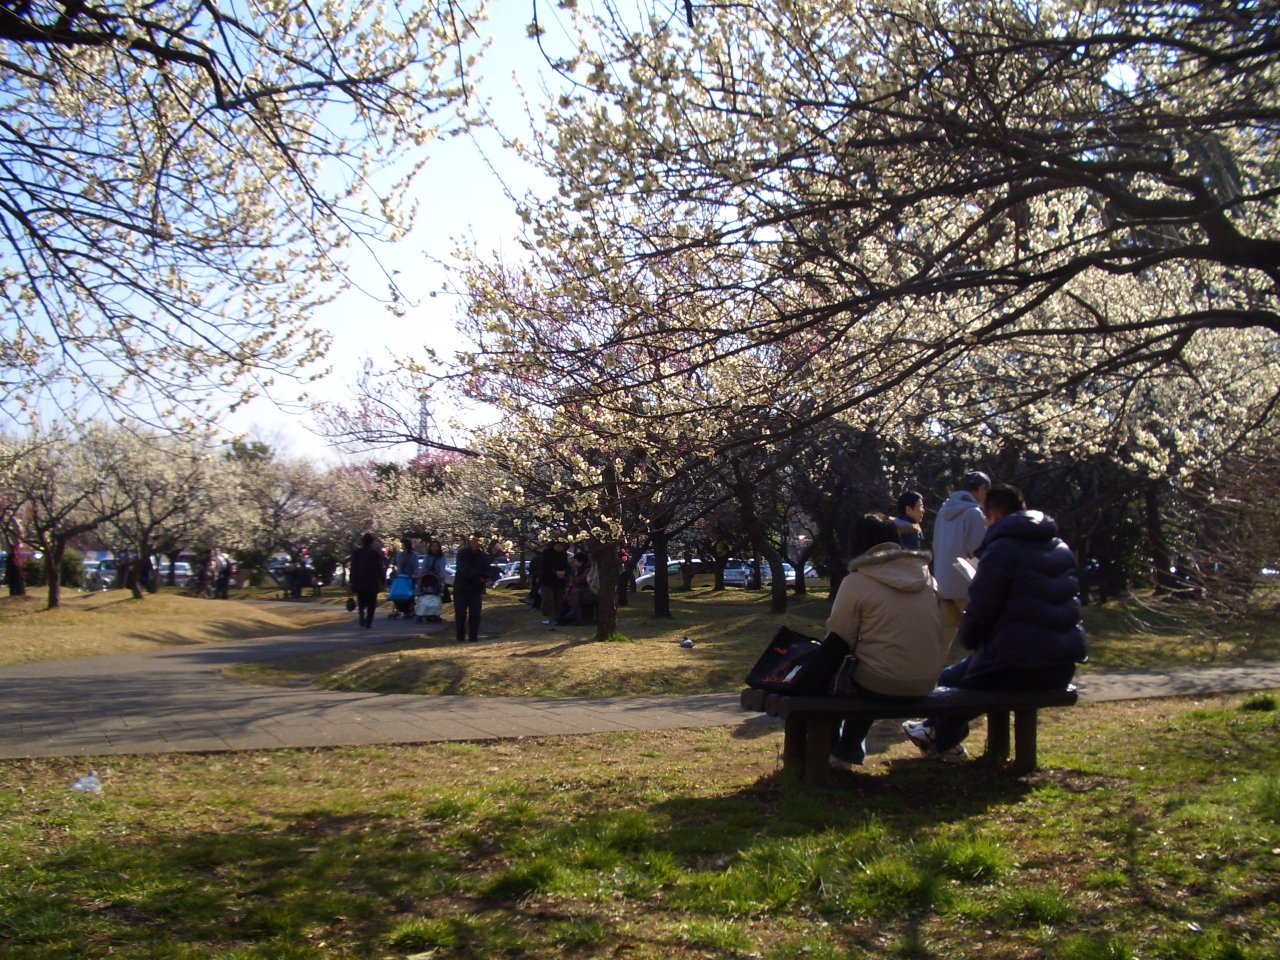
x=609 y=566
x=661 y=581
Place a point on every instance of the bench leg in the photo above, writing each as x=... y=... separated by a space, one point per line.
x=806 y=747
x=817 y=754
x=793 y=737
x=997 y=737
x=1024 y=740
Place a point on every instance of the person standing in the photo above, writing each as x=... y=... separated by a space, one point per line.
x=1022 y=621
x=471 y=573
x=406 y=565
x=957 y=534
x=221 y=575
x=886 y=610
x=553 y=580
x=581 y=596
x=366 y=572
x=910 y=516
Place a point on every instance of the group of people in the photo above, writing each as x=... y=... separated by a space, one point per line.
x=901 y=607
x=564 y=586
x=368 y=572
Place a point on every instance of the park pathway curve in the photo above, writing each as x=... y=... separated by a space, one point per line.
x=181 y=701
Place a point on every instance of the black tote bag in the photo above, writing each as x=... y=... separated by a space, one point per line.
x=797 y=664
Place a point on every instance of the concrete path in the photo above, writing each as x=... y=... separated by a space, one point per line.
x=179 y=701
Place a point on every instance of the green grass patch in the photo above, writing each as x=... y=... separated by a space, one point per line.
x=677 y=844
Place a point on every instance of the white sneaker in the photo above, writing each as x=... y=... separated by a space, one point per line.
x=921 y=734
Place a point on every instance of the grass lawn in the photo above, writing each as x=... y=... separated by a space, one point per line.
x=1151 y=831
x=108 y=622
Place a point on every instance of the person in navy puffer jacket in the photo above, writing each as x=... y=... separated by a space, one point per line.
x=1022 y=620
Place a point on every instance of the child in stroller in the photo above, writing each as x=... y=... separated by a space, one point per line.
x=430 y=599
x=432 y=586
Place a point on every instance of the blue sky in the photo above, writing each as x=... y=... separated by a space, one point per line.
x=460 y=195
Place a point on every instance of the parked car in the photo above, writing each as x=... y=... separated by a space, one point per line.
x=737 y=573
x=182 y=573
x=703 y=575
x=92 y=578
x=509 y=575
x=811 y=576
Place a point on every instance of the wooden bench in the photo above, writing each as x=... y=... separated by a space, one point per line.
x=812 y=722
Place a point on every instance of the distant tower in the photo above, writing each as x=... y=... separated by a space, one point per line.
x=424 y=420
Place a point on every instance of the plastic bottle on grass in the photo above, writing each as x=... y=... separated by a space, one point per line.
x=89 y=783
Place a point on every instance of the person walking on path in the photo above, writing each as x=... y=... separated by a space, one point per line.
x=1022 y=621
x=471 y=575
x=366 y=571
x=957 y=534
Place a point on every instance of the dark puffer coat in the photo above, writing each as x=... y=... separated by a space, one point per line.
x=1024 y=602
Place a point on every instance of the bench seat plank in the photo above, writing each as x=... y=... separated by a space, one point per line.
x=811 y=722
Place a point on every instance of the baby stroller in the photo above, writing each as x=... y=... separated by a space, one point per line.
x=400 y=593
x=430 y=602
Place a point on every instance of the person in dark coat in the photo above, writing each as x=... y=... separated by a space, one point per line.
x=366 y=573
x=1022 y=620
x=471 y=574
x=910 y=516
x=553 y=580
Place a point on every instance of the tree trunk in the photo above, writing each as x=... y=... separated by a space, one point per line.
x=609 y=565
x=755 y=535
x=133 y=575
x=1156 y=539
x=53 y=572
x=661 y=582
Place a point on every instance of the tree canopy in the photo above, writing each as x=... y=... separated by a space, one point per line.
x=180 y=183
x=971 y=216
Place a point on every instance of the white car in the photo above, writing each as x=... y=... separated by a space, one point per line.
x=811 y=576
x=703 y=576
x=509 y=575
x=737 y=573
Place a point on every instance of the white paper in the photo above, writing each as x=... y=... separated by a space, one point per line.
x=965 y=568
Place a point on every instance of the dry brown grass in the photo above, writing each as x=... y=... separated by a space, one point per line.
x=95 y=624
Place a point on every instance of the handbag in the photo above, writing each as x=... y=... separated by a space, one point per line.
x=351 y=604
x=797 y=664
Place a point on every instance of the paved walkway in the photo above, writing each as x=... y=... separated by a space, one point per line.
x=179 y=701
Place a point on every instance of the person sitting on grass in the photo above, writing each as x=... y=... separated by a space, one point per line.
x=886 y=609
x=1022 y=620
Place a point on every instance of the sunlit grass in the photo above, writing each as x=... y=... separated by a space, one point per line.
x=678 y=844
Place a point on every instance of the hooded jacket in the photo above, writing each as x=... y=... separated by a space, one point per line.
x=887 y=611
x=958 y=532
x=1024 y=602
